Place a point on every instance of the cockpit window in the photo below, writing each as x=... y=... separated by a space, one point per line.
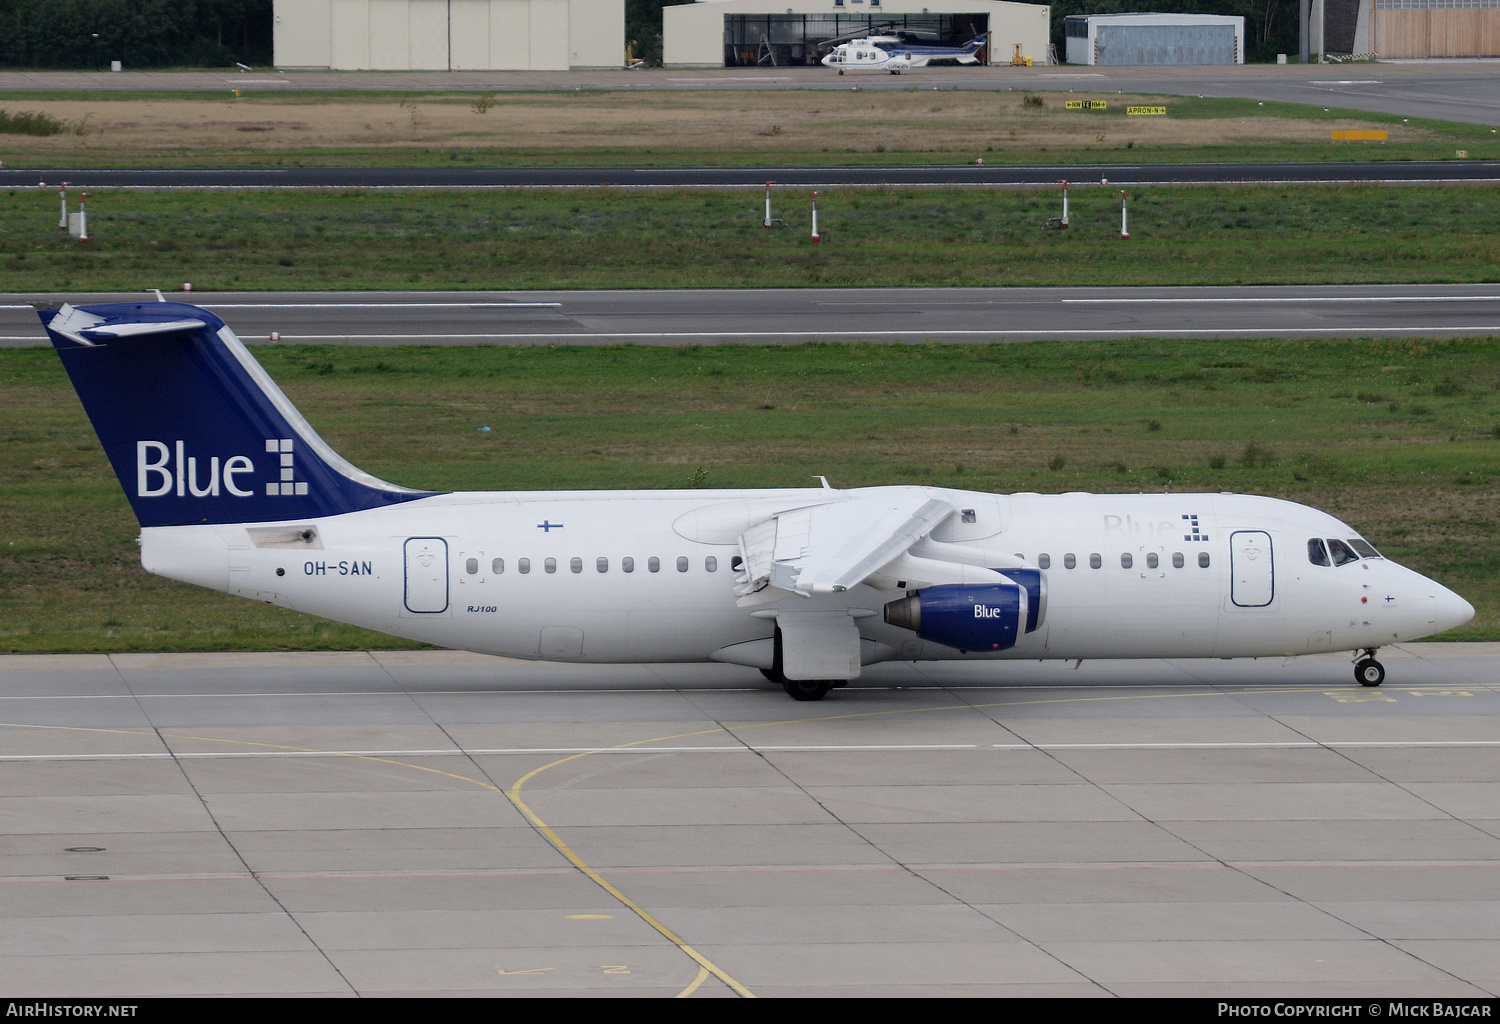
x=1364 y=547
x=1317 y=554
x=1341 y=552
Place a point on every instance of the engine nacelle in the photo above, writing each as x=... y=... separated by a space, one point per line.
x=1035 y=582
x=969 y=618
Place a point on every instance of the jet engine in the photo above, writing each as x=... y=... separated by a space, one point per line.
x=969 y=618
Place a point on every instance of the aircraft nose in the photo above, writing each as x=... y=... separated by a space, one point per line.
x=1452 y=610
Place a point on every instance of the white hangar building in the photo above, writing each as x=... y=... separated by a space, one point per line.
x=449 y=35
x=1135 y=39
x=785 y=33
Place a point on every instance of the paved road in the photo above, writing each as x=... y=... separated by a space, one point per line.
x=1463 y=91
x=991 y=175
x=444 y=824
x=771 y=316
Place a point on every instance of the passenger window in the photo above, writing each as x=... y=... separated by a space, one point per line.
x=1203 y=559
x=682 y=563
x=1363 y=547
x=550 y=565
x=602 y=564
x=711 y=564
x=471 y=566
x=1177 y=560
x=1044 y=561
x=575 y=563
x=1126 y=561
x=1317 y=554
x=497 y=566
x=736 y=564
x=1151 y=560
x=1095 y=561
x=1342 y=553
x=653 y=564
x=523 y=566
x=1069 y=561
x=627 y=564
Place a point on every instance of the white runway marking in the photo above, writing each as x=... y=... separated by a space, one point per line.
x=377 y=305
x=1139 y=331
x=1306 y=300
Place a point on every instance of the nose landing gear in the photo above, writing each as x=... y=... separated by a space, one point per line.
x=1368 y=671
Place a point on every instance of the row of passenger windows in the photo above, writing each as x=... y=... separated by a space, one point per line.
x=711 y=563
x=1337 y=552
x=601 y=564
x=1127 y=560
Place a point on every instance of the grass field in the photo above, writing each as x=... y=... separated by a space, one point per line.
x=681 y=238
x=1399 y=438
x=663 y=127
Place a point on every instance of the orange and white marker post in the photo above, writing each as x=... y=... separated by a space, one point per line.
x=1124 y=223
x=815 y=236
x=83 y=217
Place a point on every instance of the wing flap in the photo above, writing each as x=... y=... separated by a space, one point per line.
x=826 y=549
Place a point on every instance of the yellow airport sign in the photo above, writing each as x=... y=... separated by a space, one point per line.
x=1358 y=134
x=1085 y=105
x=1145 y=110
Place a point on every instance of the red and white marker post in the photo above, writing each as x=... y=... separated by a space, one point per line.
x=62 y=217
x=1065 y=206
x=815 y=236
x=1124 y=223
x=771 y=221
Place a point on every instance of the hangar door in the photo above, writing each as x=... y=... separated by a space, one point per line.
x=1164 y=44
x=450 y=35
x=1437 y=28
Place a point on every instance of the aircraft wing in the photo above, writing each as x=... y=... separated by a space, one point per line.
x=826 y=549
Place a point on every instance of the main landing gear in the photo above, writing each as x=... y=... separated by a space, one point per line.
x=1368 y=671
x=799 y=689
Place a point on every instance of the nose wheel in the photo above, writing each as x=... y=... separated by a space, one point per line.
x=1368 y=671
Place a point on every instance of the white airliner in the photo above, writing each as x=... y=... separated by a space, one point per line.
x=235 y=491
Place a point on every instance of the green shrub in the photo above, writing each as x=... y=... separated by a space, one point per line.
x=29 y=122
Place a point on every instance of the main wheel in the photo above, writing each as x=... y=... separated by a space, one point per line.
x=807 y=689
x=1369 y=672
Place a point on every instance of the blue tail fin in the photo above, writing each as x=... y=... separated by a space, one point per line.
x=196 y=430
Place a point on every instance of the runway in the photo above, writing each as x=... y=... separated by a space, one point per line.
x=1393 y=172
x=432 y=823
x=786 y=316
